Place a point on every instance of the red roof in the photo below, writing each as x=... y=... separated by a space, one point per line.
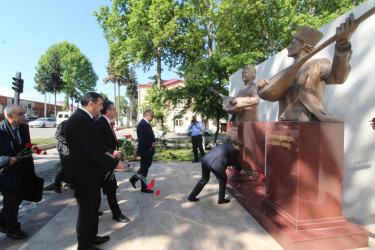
x=166 y=83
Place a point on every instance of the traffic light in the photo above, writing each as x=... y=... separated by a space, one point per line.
x=17 y=83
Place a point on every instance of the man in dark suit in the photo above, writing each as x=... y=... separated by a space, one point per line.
x=217 y=161
x=87 y=165
x=108 y=138
x=145 y=149
x=14 y=134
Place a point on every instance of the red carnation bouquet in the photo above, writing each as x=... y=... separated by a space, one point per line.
x=27 y=152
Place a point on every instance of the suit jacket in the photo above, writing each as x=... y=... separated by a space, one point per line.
x=221 y=157
x=105 y=134
x=11 y=177
x=310 y=83
x=87 y=162
x=146 y=138
x=61 y=146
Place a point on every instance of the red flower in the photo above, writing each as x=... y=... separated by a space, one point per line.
x=35 y=148
x=151 y=185
x=28 y=145
x=164 y=133
x=157 y=192
x=38 y=151
x=112 y=124
x=45 y=152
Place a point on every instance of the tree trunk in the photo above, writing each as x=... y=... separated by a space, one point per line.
x=55 y=106
x=158 y=68
x=118 y=105
x=159 y=123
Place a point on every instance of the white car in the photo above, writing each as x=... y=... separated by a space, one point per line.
x=206 y=132
x=43 y=122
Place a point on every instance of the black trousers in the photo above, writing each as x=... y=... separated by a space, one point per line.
x=109 y=188
x=88 y=200
x=206 y=169
x=8 y=216
x=60 y=174
x=143 y=170
x=197 y=143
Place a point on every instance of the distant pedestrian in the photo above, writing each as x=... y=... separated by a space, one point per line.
x=217 y=161
x=196 y=129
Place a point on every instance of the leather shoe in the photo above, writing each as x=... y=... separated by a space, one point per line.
x=100 y=239
x=147 y=191
x=223 y=201
x=193 y=199
x=93 y=248
x=194 y=161
x=18 y=235
x=57 y=188
x=121 y=218
x=133 y=183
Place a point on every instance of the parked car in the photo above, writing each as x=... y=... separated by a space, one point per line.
x=29 y=119
x=206 y=132
x=62 y=116
x=43 y=122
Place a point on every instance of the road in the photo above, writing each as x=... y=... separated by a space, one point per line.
x=42 y=133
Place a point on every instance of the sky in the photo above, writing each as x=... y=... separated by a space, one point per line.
x=29 y=27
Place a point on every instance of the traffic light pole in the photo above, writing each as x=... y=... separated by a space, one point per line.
x=18 y=87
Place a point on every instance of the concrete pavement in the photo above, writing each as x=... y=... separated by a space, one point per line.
x=167 y=221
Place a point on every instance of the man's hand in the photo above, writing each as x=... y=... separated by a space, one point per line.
x=117 y=154
x=12 y=160
x=121 y=167
x=107 y=153
x=154 y=144
x=262 y=83
x=346 y=30
x=242 y=172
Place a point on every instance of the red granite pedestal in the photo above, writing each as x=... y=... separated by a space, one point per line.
x=300 y=203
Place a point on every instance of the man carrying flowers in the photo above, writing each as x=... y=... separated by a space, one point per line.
x=16 y=165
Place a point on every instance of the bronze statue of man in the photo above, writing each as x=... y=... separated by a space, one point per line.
x=302 y=99
x=243 y=107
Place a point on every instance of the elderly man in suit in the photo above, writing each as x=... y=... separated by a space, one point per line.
x=14 y=134
x=87 y=164
x=217 y=161
x=107 y=137
x=145 y=149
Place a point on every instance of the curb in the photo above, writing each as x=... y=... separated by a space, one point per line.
x=48 y=146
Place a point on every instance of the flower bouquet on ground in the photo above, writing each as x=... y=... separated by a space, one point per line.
x=27 y=152
x=259 y=177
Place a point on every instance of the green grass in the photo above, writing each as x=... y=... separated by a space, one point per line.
x=178 y=155
x=40 y=141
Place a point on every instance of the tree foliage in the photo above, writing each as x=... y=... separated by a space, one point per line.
x=63 y=68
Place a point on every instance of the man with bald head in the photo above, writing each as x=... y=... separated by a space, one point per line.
x=14 y=134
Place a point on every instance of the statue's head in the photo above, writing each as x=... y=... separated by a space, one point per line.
x=306 y=38
x=248 y=73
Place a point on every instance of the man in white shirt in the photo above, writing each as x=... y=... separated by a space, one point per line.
x=196 y=130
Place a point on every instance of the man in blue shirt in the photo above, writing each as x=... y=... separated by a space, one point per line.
x=196 y=129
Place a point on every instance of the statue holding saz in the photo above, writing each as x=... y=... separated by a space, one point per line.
x=243 y=107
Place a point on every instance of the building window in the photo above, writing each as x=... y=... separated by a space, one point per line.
x=180 y=103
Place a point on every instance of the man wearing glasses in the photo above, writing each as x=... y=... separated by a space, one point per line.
x=14 y=134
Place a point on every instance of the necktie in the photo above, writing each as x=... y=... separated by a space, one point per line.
x=114 y=133
x=17 y=137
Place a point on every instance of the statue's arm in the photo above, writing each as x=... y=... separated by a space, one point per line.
x=340 y=64
x=245 y=101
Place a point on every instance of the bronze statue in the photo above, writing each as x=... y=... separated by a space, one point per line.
x=243 y=107
x=300 y=88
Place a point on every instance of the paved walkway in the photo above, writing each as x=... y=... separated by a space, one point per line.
x=167 y=221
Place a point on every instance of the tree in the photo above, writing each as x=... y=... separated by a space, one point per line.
x=48 y=77
x=78 y=73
